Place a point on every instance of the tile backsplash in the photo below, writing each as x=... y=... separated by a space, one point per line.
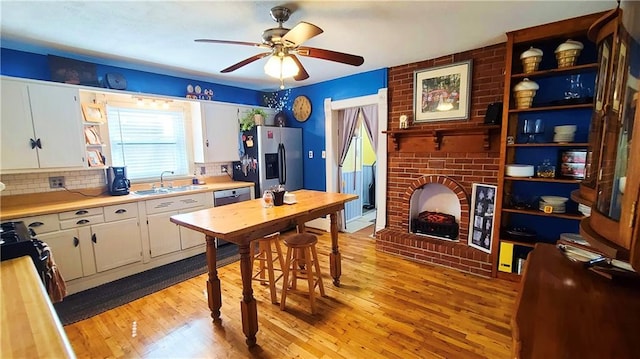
x=25 y=183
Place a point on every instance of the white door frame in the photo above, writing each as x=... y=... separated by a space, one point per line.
x=331 y=145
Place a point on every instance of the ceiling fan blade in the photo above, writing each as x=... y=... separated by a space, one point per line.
x=231 y=42
x=245 y=62
x=330 y=55
x=300 y=33
x=302 y=74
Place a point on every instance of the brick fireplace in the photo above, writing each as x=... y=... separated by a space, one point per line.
x=455 y=154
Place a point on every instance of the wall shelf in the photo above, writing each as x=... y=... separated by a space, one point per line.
x=536 y=212
x=485 y=131
x=552 y=108
x=540 y=179
x=557 y=71
x=551 y=144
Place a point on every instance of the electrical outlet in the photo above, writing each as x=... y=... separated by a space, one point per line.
x=310 y=154
x=203 y=170
x=56 y=182
x=224 y=169
x=324 y=154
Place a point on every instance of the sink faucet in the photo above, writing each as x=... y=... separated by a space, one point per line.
x=161 y=180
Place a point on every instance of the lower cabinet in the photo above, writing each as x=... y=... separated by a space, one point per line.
x=164 y=236
x=65 y=246
x=116 y=244
x=188 y=237
x=92 y=246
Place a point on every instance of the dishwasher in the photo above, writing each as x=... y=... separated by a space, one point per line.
x=229 y=196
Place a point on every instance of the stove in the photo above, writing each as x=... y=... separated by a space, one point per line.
x=17 y=240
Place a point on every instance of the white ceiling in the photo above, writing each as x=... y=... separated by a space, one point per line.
x=160 y=34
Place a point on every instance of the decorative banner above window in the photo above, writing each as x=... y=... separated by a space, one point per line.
x=442 y=93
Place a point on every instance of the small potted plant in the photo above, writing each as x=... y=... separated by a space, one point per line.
x=252 y=118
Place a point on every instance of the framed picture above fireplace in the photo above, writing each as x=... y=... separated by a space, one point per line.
x=483 y=200
x=442 y=93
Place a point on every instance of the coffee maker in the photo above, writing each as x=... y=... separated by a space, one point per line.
x=117 y=181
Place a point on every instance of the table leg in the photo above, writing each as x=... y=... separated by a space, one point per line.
x=335 y=261
x=248 y=305
x=213 y=283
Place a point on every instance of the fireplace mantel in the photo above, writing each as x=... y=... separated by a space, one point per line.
x=463 y=139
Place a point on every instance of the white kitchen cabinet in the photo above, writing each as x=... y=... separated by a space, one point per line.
x=41 y=126
x=188 y=237
x=166 y=237
x=216 y=131
x=116 y=244
x=65 y=246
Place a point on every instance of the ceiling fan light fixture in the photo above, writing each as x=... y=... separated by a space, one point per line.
x=281 y=67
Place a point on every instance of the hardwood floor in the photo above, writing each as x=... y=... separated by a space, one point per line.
x=386 y=307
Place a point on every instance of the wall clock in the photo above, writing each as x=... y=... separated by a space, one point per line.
x=301 y=108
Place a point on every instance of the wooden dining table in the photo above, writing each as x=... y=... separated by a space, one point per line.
x=243 y=222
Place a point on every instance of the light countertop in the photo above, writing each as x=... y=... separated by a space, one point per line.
x=12 y=207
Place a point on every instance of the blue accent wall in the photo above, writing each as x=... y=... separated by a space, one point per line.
x=313 y=135
x=35 y=66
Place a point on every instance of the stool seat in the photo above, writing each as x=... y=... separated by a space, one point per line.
x=301 y=240
x=302 y=263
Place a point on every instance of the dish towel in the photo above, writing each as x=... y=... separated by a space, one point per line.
x=56 y=287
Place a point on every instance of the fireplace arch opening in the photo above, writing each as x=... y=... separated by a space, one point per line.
x=439 y=208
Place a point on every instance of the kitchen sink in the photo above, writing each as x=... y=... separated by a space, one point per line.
x=164 y=190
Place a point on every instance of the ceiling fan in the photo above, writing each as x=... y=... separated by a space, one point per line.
x=283 y=45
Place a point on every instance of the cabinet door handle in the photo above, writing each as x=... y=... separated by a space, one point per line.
x=76 y=241
x=35 y=224
x=93 y=238
x=33 y=143
x=81 y=212
x=83 y=221
x=38 y=143
x=121 y=211
x=207 y=143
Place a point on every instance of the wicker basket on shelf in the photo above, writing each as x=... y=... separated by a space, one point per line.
x=524 y=92
x=531 y=60
x=567 y=53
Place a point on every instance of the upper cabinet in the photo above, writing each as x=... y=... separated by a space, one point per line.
x=41 y=126
x=615 y=182
x=547 y=109
x=216 y=128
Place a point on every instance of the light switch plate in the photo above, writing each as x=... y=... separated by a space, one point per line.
x=324 y=154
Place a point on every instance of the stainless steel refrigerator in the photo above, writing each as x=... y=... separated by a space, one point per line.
x=270 y=156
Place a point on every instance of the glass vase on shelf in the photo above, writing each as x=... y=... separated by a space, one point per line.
x=532 y=128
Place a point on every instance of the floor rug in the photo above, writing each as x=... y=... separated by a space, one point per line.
x=85 y=304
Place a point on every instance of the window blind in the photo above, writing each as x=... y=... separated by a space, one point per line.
x=147 y=141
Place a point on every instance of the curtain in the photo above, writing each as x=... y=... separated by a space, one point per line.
x=370 y=114
x=348 y=119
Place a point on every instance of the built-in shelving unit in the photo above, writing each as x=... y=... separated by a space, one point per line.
x=554 y=105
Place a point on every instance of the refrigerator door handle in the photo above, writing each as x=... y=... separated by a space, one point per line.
x=282 y=159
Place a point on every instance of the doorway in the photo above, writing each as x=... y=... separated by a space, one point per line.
x=379 y=99
x=358 y=177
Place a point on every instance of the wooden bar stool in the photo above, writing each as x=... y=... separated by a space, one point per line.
x=301 y=263
x=265 y=257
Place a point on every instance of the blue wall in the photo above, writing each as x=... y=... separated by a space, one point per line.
x=36 y=66
x=313 y=138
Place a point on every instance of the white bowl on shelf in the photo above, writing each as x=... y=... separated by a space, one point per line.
x=516 y=170
x=565 y=129
x=554 y=200
x=585 y=210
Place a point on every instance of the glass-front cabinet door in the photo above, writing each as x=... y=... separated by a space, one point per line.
x=614 y=171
